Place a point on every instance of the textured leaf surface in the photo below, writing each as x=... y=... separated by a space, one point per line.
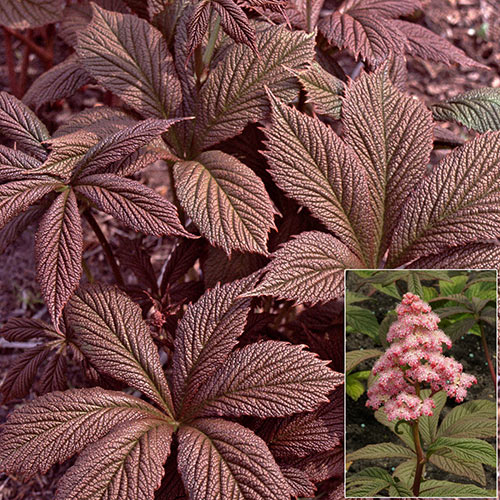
x=17 y=196
x=206 y=335
x=309 y=268
x=127 y=463
x=226 y=200
x=61 y=81
x=234 y=93
x=21 y=14
x=468 y=449
x=383 y=8
x=54 y=427
x=464 y=412
x=392 y=135
x=136 y=205
x=426 y=44
x=434 y=488
x=298 y=481
x=268 y=379
x=323 y=89
x=471 y=470
x=456 y=204
x=380 y=450
x=130 y=57
x=471 y=256
x=478 y=109
x=112 y=334
x=220 y=459
x=235 y=22
x=13 y=228
x=58 y=250
x=16 y=165
x=19 y=123
x=23 y=329
x=353 y=358
x=312 y=165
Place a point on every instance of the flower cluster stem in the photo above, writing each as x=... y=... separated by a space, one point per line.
x=420 y=459
x=487 y=353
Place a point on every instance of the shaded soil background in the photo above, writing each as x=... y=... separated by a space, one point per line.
x=462 y=22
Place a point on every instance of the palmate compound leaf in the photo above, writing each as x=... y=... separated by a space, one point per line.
x=59 y=250
x=470 y=256
x=308 y=268
x=20 y=124
x=125 y=464
x=110 y=331
x=226 y=200
x=313 y=166
x=391 y=133
x=206 y=335
x=477 y=109
x=223 y=460
x=136 y=205
x=267 y=379
x=54 y=427
x=22 y=14
x=61 y=81
x=454 y=205
x=234 y=92
x=128 y=56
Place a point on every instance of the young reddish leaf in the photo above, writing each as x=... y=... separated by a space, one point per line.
x=206 y=335
x=17 y=196
x=110 y=331
x=58 y=250
x=120 y=144
x=19 y=123
x=424 y=43
x=54 y=375
x=54 y=427
x=61 y=81
x=391 y=134
x=125 y=464
x=128 y=56
x=269 y=379
x=383 y=8
x=14 y=158
x=13 y=228
x=22 y=14
x=299 y=482
x=309 y=268
x=197 y=25
x=477 y=109
x=471 y=256
x=322 y=466
x=182 y=258
x=234 y=93
x=226 y=200
x=224 y=460
x=312 y=165
x=323 y=89
x=136 y=205
x=21 y=373
x=23 y=329
x=235 y=22
x=459 y=202
x=363 y=34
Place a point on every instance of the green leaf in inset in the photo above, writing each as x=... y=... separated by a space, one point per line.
x=428 y=424
x=481 y=408
x=308 y=268
x=22 y=14
x=458 y=203
x=470 y=470
x=58 y=250
x=241 y=465
x=368 y=482
x=226 y=200
x=128 y=56
x=465 y=449
x=434 y=488
x=112 y=334
x=354 y=388
x=54 y=427
x=234 y=93
x=472 y=426
x=362 y=320
x=354 y=358
x=380 y=450
x=127 y=463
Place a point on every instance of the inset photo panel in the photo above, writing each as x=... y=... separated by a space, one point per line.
x=421 y=383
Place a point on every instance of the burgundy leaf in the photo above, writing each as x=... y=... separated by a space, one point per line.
x=58 y=250
x=54 y=374
x=54 y=427
x=111 y=333
x=125 y=464
x=17 y=196
x=19 y=123
x=181 y=259
x=206 y=335
x=391 y=134
x=312 y=165
x=14 y=158
x=226 y=200
x=197 y=25
x=22 y=14
x=235 y=22
x=471 y=256
x=61 y=81
x=23 y=329
x=309 y=268
x=322 y=466
x=382 y=8
x=10 y=232
x=224 y=460
x=456 y=204
x=128 y=56
x=136 y=205
x=299 y=482
x=268 y=379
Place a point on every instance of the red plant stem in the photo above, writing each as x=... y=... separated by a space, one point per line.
x=487 y=353
x=105 y=246
x=43 y=54
x=420 y=459
x=11 y=65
